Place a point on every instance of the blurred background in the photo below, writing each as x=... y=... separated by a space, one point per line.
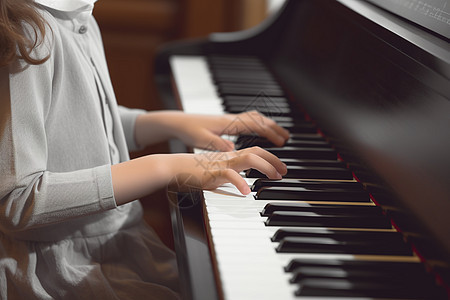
x=132 y=32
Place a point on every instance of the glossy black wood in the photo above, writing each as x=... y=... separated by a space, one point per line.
x=378 y=87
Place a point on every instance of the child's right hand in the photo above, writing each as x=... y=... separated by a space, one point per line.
x=213 y=169
x=141 y=176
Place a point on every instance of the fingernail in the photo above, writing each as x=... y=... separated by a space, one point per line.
x=279 y=176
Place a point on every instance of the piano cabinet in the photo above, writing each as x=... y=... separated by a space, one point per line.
x=372 y=88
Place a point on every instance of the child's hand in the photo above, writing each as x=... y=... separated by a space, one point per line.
x=204 y=131
x=142 y=176
x=210 y=170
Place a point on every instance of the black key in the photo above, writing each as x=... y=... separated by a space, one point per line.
x=265 y=110
x=360 y=235
x=367 y=274
x=230 y=79
x=239 y=73
x=235 y=61
x=250 y=85
x=307 y=136
x=359 y=288
x=271 y=92
x=304 y=153
x=308 y=173
x=388 y=266
x=265 y=143
x=286 y=119
x=314 y=163
x=309 y=219
x=302 y=144
x=311 y=194
x=231 y=101
x=321 y=209
x=335 y=246
x=263 y=182
x=294 y=136
x=305 y=127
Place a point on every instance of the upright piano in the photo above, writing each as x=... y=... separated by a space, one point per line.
x=364 y=211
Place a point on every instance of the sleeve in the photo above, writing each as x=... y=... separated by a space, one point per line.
x=30 y=195
x=128 y=117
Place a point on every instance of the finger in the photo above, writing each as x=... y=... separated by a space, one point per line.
x=265 y=127
x=270 y=129
x=269 y=157
x=253 y=161
x=210 y=141
x=219 y=177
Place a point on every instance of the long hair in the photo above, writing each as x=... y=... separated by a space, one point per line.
x=14 y=42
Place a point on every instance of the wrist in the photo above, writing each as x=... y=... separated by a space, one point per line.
x=155 y=127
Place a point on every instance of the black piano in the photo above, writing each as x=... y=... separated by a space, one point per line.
x=364 y=211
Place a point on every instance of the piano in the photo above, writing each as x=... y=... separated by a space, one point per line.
x=364 y=211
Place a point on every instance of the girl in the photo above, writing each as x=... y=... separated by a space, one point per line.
x=69 y=225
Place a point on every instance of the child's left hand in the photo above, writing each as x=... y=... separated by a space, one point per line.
x=204 y=131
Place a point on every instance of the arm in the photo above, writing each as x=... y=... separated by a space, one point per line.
x=30 y=194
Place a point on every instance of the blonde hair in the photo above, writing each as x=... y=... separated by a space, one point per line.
x=14 y=42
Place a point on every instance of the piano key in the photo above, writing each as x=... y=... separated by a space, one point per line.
x=194 y=85
x=259 y=106
x=306 y=136
x=261 y=182
x=264 y=143
x=254 y=100
x=293 y=135
x=286 y=119
x=245 y=100
x=309 y=219
x=313 y=162
x=332 y=245
x=406 y=265
x=311 y=193
x=254 y=103
x=397 y=276
x=234 y=61
x=268 y=111
x=252 y=85
x=301 y=172
x=361 y=288
x=240 y=77
x=304 y=153
x=383 y=234
x=317 y=208
x=271 y=92
x=250 y=80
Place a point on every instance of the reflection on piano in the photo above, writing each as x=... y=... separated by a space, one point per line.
x=363 y=211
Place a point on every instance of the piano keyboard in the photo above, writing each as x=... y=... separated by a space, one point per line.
x=316 y=234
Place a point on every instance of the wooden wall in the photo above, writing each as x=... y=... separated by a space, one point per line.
x=132 y=32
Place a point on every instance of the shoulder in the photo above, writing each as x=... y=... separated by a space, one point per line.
x=44 y=42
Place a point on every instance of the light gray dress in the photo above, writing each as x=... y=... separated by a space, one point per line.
x=61 y=234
